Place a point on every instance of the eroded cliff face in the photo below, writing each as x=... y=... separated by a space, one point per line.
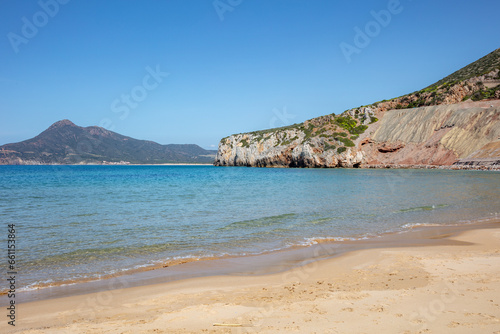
x=435 y=135
x=433 y=126
x=286 y=148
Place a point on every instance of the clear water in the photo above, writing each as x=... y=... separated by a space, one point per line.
x=81 y=222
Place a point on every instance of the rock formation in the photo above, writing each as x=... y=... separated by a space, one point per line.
x=453 y=122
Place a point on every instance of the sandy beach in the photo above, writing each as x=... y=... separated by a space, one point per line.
x=453 y=287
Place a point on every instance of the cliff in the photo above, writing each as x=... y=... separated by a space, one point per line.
x=467 y=133
x=437 y=135
x=321 y=142
x=454 y=121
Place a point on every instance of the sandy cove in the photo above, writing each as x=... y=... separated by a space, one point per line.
x=432 y=289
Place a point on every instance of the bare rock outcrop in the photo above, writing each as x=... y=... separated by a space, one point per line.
x=454 y=121
x=286 y=148
x=436 y=135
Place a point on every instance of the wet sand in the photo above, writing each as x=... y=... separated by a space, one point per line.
x=430 y=280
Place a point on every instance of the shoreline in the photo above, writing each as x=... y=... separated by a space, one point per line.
x=114 y=164
x=431 y=279
x=458 y=165
x=267 y=262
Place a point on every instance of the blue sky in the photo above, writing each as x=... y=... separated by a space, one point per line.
x=194 y=71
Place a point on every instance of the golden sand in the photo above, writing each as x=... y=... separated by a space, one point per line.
x=433 y=289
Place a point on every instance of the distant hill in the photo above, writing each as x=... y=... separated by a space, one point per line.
x=66 y=143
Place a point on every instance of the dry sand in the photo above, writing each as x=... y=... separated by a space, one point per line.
x=432 y=289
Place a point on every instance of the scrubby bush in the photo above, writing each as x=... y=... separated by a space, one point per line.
x=346 y=141
x=329 y=146
x=358 y=129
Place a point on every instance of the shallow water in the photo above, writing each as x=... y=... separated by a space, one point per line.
x=87 y=222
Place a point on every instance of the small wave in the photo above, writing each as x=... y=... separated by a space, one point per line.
x=423 y=208
x=86 y=255
x=85 y=214
x=259 y=222
x=320 y=240
x=92 y=277
x=416 y=225
x=318 y=221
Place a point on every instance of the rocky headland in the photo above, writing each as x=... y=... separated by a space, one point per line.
x=454 y=123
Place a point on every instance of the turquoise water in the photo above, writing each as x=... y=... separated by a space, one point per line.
x=86 y=222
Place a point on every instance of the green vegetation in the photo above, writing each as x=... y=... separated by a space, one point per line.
x=349 y=124
x=347 y=142
x=345 y=122
x=435 y=94
x=273 y=130
x=341 y=149
x=244 y=143
x=418 y=103
x=343 y=129
x=309 y=131
x=358 y=129
x=488 y=93
x=288 y=141
x=482 y=66
x=329 y=146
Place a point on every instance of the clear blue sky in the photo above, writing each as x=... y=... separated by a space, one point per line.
x=241 y=66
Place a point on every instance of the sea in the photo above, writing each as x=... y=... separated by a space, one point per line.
x=81 y=223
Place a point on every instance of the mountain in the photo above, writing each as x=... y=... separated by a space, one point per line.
x=66 y=143
x=454 y=121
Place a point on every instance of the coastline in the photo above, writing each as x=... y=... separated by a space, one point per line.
x=112 y=164
x=265 y=262
x=458 y=165
x=354 y=276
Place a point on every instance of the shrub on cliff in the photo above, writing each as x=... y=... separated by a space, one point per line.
x=485 y=93
x=345 y=122
x=329 y=146
x=351 y=125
